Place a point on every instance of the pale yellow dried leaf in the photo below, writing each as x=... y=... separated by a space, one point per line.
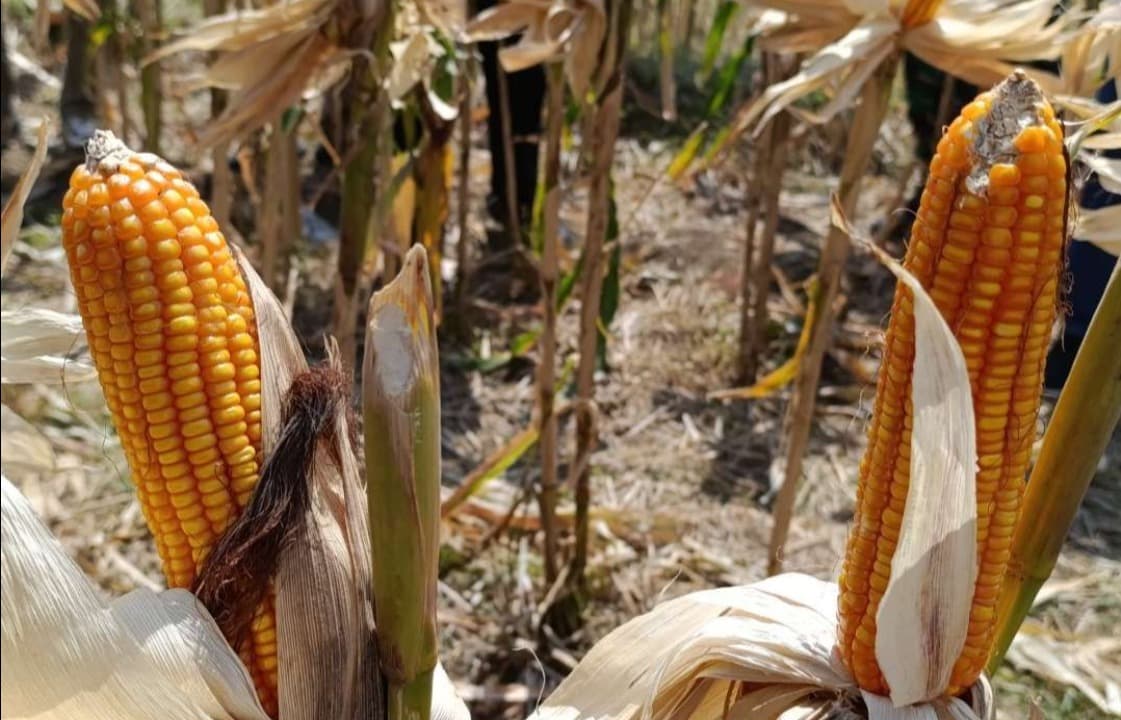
x=1101 y=226
x=780 y=630
x=240 y=29
x=23 y=445
x=12 y=217
x=412 y=62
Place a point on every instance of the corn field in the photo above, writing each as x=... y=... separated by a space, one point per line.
x=561 y=359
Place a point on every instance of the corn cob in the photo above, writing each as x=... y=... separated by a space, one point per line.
x=987 y=245
x=172 y=333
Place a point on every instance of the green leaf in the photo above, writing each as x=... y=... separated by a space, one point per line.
x=714 y=41
x=687 y=154
x=730 y=72
x=609 y=298
x=291 y=118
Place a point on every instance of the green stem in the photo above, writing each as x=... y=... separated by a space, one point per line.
x=1084 y=418
x=364 y=171
x=401 y=407
x=413 y=700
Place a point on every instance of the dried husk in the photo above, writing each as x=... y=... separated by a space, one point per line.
x=12 y=217
x=323 y=603
x=68 y=653
x=934 y=568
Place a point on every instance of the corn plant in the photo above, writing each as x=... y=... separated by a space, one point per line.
x=570 y=53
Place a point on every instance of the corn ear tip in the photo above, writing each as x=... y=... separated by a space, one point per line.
x=1017 y=103
x=105 y=151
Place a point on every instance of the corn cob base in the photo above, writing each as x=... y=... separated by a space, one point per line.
x=987 y=245
x=172 y=333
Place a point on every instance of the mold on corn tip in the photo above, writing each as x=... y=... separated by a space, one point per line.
x=1011 y=119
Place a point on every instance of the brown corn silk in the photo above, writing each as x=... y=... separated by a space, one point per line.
x=173 y=336
x=988 y=246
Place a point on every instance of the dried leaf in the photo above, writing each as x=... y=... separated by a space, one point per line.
x=240 y=29
x=505 y=19
x=36 y=347
x=23 y=445
x=412 y=62
x=12 y=217
x=67 y=653
x=582 y=58
x=1101 y=226
x=1086 y=663
x=36 y=331
x=865 y=44
x=1108 y=170
x=450 y=16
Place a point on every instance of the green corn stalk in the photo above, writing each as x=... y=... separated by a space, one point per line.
x=401 y=405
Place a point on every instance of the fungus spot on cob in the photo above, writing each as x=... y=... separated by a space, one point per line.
x=988 y=246
x=173 y=336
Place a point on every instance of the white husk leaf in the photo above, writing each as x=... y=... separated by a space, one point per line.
x=412 y=61
x=1108 y=170
x=68 y=653
x=934 y=568
x=12 y=217
x=446 y=703
x=37 y=331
